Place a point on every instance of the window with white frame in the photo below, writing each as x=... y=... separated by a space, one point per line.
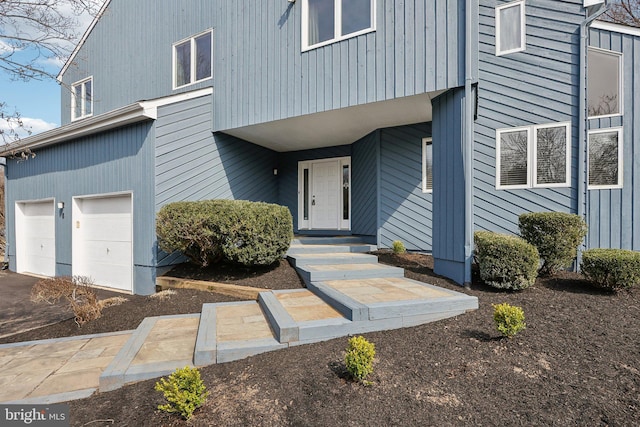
x=604 y=83
x=427 y=165
x=533 y=156
x=605 y=159
x=328 y=21
x=82 y=99
x=192 y=60
x=510 y=28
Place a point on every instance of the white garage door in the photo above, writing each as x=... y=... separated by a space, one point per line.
x=102 y=234
x=35 y=238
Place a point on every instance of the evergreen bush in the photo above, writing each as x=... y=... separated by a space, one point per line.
x=612 y=269
x=184 y=391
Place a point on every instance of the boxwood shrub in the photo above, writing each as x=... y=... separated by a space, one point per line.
x=556 y=235
x=248 y=233
x=506 y=262
x=611 y=268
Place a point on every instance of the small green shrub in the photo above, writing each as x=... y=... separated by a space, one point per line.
x=509 y=319
x=184 y=391
x=359 y=358
x=611 y=268
x=398 y=247
x=248 y=233
x=506 y=262
x=556 y=235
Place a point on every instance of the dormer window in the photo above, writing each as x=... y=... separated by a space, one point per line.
x=329 y=21
x=192 y=60
x=82 y=99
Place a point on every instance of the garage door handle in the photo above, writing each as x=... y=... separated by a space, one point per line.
x=107 y=250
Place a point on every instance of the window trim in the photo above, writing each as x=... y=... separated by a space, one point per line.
x=620 y=82
x=74 y=99
x=337 y=28
x=425 y=142
x=532 y=156
x=523 y=27
x=193 y=71
x=620 y=183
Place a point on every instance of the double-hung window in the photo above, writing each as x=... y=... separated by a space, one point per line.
x=82 y=99
x=328 y=21
x=192 y=60
x=533 y=156
x=605 y=159
x=604 y=83
x=427 y=165
x=510 y=28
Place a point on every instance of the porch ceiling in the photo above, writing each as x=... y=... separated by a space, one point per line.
x=337 y=127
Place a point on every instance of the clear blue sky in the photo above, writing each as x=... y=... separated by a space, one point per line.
x=33 y=99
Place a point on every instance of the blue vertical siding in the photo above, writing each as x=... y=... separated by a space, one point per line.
x=114 y=161
x=262 y=74
x=364 y=194
x=613 y=215
x=537 y=86
x=192 y=163
x=449 y=185
x=406 y=213
x=129 y=52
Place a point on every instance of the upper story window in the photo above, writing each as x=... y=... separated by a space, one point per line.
x=605 y=159
x=427 y=165
x=533 y=156
x=604 y=83
x=192 y=60
x=328 y=21
x=510 y=28
x=82 y=99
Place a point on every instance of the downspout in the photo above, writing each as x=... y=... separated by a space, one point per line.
x=582 y=121
x=467 y=144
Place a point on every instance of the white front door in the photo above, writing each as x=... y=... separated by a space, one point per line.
x=102 y=240
x=35 y=238
x=325 y=194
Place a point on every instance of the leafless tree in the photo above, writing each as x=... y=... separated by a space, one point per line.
x=625 y=12
x=33 y=33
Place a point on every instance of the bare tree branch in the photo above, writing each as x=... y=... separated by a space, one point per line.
x=626 y=12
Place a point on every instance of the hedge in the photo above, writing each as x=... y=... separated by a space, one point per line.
x=611 y=268
x=248 y=233
x=506 y=262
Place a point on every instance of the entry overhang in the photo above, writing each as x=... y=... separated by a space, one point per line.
x=337 y=127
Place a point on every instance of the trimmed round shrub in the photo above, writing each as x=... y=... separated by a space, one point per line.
x=556 y=235
x=509 y=319
x=398 y=247
x=243 y=232
x=506 y=262
x=612 y=269
x=359 y=357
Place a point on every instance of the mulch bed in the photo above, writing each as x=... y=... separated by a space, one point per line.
x=577 y=363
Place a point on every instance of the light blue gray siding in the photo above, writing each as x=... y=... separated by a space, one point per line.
x=262 y=74
x=114 y=161
x=364 y=185
x=405 y=211
x=537 y=86
x=129 y=52
x=613 y=216
x=449 y=185
x=192 y=163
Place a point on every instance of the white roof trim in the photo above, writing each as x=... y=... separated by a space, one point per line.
x=616 y=28
x=133 y=113
x=82 y=40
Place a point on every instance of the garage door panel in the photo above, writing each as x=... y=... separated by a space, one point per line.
x=35 y=238
x=103 y=241
x=40 y=247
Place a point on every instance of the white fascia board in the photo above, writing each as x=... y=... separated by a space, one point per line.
x=616 y=28
x=82 y=40
x=588 y=3
x=151 y=106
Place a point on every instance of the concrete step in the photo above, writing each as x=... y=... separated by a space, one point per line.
x=324 y=272
x=332 y=258
x=295 y=249
x=336 y=240
x=233 y=331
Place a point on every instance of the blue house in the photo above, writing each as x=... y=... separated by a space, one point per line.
x=418 y=121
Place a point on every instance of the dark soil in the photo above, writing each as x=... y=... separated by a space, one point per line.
x=577 y=363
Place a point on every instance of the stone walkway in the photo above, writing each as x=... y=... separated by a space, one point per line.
x=347 y=293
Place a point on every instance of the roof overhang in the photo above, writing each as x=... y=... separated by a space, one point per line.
x=133 y=113
x=337 y=127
